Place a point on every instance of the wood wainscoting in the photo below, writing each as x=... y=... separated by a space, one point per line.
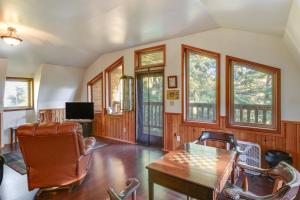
x=51 y=115
x=118 y=127
x=288 y=140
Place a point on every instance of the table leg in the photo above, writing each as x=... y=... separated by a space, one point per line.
x=215 y=194
x=151 y=190
x=11 y=136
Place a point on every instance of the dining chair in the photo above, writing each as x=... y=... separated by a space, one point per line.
x=227 y=138
x=287 y=181
x=132 y=185
x=230 y=142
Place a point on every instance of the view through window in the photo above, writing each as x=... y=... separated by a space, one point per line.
x=18 y=93
x=150 y=57
x=201 y=75
x=95 y=87
x=253 y=93
x=115 y=88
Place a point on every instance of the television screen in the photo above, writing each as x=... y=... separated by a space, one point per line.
x=79 y=110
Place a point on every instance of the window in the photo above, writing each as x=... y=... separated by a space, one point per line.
x=114 y=73
x=95 y=92
x=201 y=86
x=18 y=94
x=253 y=95
x=150 y=57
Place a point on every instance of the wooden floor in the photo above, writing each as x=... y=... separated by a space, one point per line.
x=112 y=165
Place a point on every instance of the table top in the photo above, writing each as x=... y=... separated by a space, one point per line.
x=199 y=164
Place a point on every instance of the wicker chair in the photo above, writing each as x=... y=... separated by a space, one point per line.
x=130 y=190
x=287 y=181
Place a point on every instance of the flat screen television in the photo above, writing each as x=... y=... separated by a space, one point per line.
x=79 y=110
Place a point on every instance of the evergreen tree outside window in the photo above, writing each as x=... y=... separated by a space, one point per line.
x=201 y=86
x=253 y=96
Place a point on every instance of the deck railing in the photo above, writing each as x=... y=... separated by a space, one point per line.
x=244 y=113
x=153 y=114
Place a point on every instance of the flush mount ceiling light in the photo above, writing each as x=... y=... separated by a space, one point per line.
x=11 y=38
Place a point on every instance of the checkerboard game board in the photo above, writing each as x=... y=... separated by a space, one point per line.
x=195 y=159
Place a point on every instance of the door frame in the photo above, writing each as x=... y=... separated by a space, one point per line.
x=163 y=101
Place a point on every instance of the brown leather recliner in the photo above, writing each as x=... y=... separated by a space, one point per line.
x=55 y=154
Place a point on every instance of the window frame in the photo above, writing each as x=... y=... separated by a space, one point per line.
x=185 y=88
x=30 y=83
x=137 y=56
x=107 y=71
x=90 y=91
x=276 y=113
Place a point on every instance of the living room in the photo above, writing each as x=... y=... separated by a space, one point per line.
x=150 y=99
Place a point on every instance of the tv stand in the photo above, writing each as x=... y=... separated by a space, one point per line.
x=87 y=126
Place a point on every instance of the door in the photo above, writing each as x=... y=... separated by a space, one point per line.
x=150 y=109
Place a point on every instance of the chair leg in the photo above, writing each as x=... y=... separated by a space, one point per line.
x=134 y=195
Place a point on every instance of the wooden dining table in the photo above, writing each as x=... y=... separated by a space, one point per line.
x=195 y=170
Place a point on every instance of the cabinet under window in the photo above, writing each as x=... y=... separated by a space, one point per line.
x=201 y=85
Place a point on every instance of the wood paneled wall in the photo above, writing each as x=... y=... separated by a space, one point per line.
x=119 y=127
x=51 y=115
x=288 y=141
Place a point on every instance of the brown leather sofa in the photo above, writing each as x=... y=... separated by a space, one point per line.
x=55 y=154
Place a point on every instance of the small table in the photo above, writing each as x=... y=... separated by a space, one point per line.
x=13 y=135
x=198 y=171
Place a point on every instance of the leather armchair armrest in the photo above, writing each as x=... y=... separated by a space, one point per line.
x=89 y=143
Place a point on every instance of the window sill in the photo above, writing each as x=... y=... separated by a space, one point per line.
x=17 y=109
x=202 y=124
x=115 y=114
x=257 y=130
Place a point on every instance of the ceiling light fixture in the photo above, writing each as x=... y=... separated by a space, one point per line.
x=11 y=38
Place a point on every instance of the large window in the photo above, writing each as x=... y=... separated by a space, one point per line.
x=95 y=92
x=201 y=86
x=150 y=57
x=114 y=74
x=18 y=94
x=253 y=97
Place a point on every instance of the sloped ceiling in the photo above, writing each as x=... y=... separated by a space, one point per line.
x=292 y=32
x=76 y=32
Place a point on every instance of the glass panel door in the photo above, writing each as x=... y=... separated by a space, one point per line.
x=150 y=109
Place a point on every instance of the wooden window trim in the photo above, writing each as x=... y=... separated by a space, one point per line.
x=137 y=55
x=107 y=71
x=184 y=103
x=277 y=97
x=90 y=91
x=31 y=94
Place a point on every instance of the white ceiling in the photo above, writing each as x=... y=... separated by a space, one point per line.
x=76 y=32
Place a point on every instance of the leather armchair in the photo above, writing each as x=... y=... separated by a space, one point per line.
x=55 y=154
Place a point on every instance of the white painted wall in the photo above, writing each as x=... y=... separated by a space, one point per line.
x=261 y=48
x=292 y=30
x=15 y=118
x=58 y=84
x=53 y=86
x=3 y=68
